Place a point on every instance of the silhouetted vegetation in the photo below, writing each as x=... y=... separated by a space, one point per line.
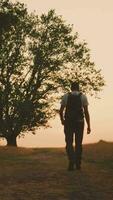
x=39 y=57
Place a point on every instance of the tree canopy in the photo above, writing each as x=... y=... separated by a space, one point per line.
x=39 y=57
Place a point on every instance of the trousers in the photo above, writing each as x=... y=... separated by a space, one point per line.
x=74 y=133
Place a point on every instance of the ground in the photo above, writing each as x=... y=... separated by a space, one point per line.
x=41 y=174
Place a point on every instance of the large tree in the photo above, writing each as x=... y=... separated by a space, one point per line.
x=39 y=57
x=15 y=27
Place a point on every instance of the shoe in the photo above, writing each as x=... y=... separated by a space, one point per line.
x=78 y=164
x=71 y=166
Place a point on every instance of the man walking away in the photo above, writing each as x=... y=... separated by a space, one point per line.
x=74 y=107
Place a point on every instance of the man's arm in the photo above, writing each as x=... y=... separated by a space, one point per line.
x=61 y=112
x=87 y=117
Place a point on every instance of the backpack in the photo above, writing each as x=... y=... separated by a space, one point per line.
x=74 y=109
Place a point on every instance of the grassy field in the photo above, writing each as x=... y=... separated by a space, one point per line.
x=41 y=174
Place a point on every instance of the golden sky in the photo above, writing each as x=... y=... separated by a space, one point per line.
x=93 y=20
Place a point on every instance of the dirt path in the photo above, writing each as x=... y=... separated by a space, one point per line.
x=42 y=175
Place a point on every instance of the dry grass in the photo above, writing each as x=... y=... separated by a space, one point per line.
x=41 y=174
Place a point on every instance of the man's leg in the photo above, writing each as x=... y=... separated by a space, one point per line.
x=69 y=146
x=78 y=143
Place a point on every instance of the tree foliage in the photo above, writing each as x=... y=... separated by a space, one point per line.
x=39 y=57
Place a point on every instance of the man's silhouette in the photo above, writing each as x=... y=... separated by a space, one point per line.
x=75 y=105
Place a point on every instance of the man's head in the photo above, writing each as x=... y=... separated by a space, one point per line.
x=75 y=86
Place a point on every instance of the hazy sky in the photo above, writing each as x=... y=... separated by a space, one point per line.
x=93 y=20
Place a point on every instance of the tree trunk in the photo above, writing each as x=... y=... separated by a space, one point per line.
x=11 y=140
